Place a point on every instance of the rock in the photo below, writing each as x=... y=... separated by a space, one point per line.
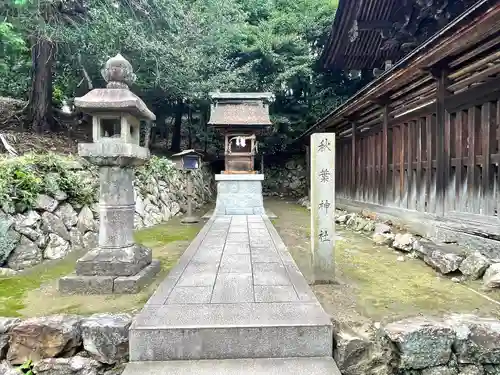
x=369 y=227
x=53 y=224
x=474 y=265
x=67 y=366
x=89 y=240
x=76 y=238
x=421 y=342
x=42 y=241
x=7 y=272
x=491 y=370
x=352 y=352
x=9 y=240
x=443 y=262
x=4 y=346
x=67 y=214
x=6 y=325
x=477 y=339
x=341 y=219
x=383 y=238
x=400 y=259
x=471 y=370
x=404 y=242
x=44 y=337
x=6 y=369
x=105 y=337
x=359 y=223
x=174 y=208
x=60 y=195
x=46 y=203
x=31 y=233
x=26 y=254
x=140 y=207
x=440 y=370
x=30 y=219
x=381 y=228
x=57 y=248
x=491 y=277
x=86 y=220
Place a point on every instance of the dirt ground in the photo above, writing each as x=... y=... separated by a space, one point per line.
x=371 y=283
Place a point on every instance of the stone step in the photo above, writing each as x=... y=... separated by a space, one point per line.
x=264 y=366
x=230 y=331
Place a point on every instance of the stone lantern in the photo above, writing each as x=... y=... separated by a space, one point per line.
x=117 y=265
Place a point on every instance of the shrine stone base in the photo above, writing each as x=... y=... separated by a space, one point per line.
x=239 y=194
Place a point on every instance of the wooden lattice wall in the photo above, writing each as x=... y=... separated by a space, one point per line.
x=429 y=141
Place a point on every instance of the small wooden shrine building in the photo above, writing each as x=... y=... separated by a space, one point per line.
x=422 y=139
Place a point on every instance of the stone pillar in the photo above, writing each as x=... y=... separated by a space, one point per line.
x=322 y=166
x=117 y=207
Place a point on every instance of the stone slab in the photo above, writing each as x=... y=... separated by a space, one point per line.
x=267 y=212
x=256 y=309
x=87 y=285
x=133 y=284
x=265 y=366
x=114 y=262
x=233 y=288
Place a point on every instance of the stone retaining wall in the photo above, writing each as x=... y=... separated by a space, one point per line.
x=446 y=258
x=55 y=225
x=65 y=344
x=452 y=345
x=98 y=345
x=286 y=179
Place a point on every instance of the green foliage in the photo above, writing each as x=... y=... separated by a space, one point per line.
x=23 y=178
x=181 y=50
x=14 y=61
x=27 y=367
x=158 y=167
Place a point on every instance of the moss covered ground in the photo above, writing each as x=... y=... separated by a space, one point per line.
x=34 y=292
x=372 y=283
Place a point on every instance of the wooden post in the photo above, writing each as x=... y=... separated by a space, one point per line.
x=323 y=206
x=440 y=74
x=353 y=162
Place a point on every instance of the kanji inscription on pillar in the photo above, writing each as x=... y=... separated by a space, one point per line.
x=322 y=151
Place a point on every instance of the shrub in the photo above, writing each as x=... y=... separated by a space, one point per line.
x=23 y=178
x=156 y=167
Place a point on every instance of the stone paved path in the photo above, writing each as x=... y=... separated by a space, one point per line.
x=236 y=294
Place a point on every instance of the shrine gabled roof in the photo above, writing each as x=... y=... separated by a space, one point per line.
x=366 y=33
x=365 y=52
x=240 y=109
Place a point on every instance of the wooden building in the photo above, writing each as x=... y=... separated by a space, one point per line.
x=422 y=139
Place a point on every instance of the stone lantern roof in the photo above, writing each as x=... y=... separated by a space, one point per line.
x=116 y=97
x=240 y=110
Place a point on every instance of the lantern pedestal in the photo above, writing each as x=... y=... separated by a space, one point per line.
x=239 y=194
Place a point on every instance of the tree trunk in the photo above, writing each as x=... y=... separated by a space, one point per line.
x=40 y=103
x=176 y=136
